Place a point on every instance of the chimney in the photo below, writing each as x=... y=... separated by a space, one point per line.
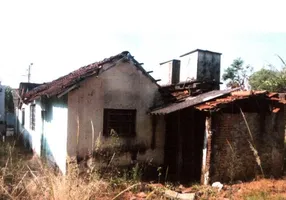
x=170 y=72
x=201 y=65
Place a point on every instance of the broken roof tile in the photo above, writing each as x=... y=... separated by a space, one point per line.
x=275 y=110
x=68 y=81
x=191 y=101
x=212 y=100
x=242 y=93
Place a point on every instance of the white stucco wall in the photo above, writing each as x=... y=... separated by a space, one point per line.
x=55 y=135
x=53 y=131
x=121 y=87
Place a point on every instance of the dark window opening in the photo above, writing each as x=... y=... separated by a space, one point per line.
x=32 y=116
x=119 y=120
x=23 y=117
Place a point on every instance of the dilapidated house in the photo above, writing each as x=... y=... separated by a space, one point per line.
x=78 y=113
x=195 y=131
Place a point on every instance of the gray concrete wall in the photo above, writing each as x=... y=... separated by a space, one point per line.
x=121 y=87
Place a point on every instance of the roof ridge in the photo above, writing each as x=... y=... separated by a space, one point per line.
x=87 y=69
x=62 y=83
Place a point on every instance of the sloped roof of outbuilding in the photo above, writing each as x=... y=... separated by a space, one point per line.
x=239 y=95
x=213 y=99
x=191 y=101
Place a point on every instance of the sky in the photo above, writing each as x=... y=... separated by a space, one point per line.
x=59 y=36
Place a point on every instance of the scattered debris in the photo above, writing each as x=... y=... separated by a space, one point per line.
x=217 y=185
x=141 y=195
x=188 y=190
x=156 y=185
x=127 y=189
x=172 y=194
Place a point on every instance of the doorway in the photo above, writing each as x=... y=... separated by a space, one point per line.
x=184 y=144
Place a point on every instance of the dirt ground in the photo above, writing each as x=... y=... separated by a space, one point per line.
x=260 y=189
x=263 y=189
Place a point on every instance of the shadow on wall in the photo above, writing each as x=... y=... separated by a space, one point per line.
x=53 y=137
x=46 y=153
x=10 y=119
x=25 y=136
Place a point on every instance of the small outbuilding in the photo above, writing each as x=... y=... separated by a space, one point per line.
x=224 y=135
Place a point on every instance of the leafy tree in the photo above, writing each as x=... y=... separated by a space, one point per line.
x=269 y=79
x=237 y=74
x=264 y=79
x=9 y=104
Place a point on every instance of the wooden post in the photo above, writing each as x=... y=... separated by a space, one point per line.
x=206 y=152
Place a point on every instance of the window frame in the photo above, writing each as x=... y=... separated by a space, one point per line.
x=129 y=121
x=33 y=117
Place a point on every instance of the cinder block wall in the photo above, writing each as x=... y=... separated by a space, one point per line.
x=233 y=147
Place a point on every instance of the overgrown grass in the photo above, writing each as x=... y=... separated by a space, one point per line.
x=25 y=177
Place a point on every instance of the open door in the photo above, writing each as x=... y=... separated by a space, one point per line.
x=184 y=145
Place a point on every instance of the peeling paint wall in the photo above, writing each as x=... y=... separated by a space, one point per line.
x=120 y=87
x=232 y=147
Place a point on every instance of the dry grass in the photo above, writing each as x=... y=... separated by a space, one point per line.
x=24 y=176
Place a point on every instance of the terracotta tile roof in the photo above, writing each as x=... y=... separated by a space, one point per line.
x=70 y=80
x=26 y=87
x=213 y=99
x=191 y=101
x=238 y=95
